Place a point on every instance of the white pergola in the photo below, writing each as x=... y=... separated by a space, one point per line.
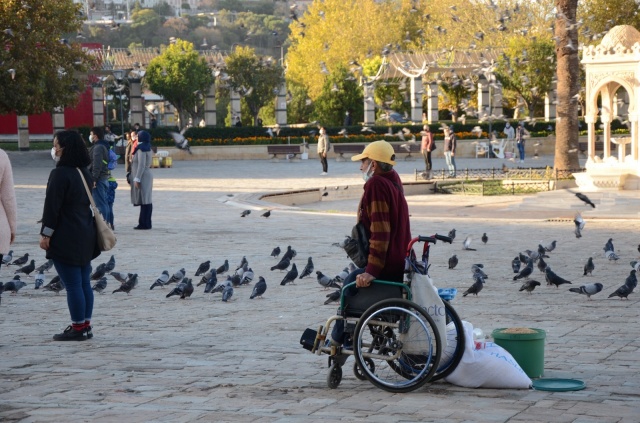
x=613 y=75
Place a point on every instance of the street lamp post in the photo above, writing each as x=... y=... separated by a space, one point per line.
x=118 y=74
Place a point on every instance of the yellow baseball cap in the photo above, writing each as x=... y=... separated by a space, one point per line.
x=380 y=151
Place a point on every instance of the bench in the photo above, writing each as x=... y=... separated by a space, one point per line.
x=290 y=151
x=346 y=148
x=583 y=147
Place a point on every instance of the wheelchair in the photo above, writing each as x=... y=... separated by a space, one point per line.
x=395 y=342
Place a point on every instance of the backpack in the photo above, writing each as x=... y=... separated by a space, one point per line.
x=113 y=159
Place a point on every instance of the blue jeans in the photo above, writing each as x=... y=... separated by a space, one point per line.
x=77 y=281
x=521 y=150
x=101 y=198
x=451 y=163
x=337 y=333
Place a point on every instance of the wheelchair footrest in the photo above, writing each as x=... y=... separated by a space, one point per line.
x=311 y=339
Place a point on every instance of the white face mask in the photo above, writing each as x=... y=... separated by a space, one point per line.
x=367 y=174
x=53 y=155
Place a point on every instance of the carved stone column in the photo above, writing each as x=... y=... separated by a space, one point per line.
x=23 y=133
x=606 y=136
x=281 y=105
x=235 y=107
x=633 y=122
x=369 y=104
x=98 y=104
x=591 y=136
x=135 y=101
x=432 y=103
x=416 y=99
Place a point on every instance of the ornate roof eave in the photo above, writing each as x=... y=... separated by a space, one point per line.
x=617 y=54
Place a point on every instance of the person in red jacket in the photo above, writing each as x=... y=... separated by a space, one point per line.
x=384 y=213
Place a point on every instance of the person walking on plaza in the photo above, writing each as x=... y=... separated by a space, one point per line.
x=426 y=148
x=8 y=205
x=521 y=134
x=450 y=143
x=142 y=179
x=384 y=213
x=323 y=148
x=100 y=173
x=68 y=232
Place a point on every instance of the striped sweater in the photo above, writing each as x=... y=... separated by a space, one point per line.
x=384 y=211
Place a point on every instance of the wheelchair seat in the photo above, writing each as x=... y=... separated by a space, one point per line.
x=357 y=304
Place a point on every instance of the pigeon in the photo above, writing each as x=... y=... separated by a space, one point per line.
x=551 y=246
x=484 y=238
x=28 y=268
x=21 y=261
x=308 y=269
x=55 y=285
x=210 y=283
x=636 y=265
x=579 y=223
x=178 y=276
x=609 y=246
x=622 y=292
x=110 y=265
x=553 y=279
x=128 y=285
x=203 y=268
x=290 y=253
x=244 y=264
x=120 y=277
x=188 y=290
x=632 y=280
x=223 y=268
x=515 y=264
x=529 y=286
x=589 y=267
x=99 y=272
x=325 y=281
x=266 y=214
x=6 y=259
x=162 y=280
x=247 y=277
x=333 y=297
x=542 y=251
x=100 y=285
x=523 y=258
x=207 y=276
x=452 y=234
x=585 y=199
x=475 y=288
x=179 y=288
x=14 y=286
x=533 y=255
x=240 y=271
x=282 y=264
x=45 y=266
x=39 y=279
x=245 y=213
x=275 y=252
x=542 y=265
x=220 y=288
x=291 y=275
x=588 y=290
x=181 y=142
x=227 y=293
x=259 y=288
x=467 y=244
x=525 y=272
x=235 y=280
x=340 y=277
x=477 y=268
x=611 y=256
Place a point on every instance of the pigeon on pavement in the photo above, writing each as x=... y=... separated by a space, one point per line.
x=529 y=286
x=325 y=281
x=39 y=279
x=14 y=286
x=515 y=265
x=275 y=252
x=55 y=285
x=245 y=213
x=452 y=234
x=628 y=287
x=542 y=265
x=223 y=268
x=203 y=267
x=611 y=256
x=28 y=268
x=45 y=267
x=110 y=265
x=100 y=285
x=100 y=271
x=476 y=287
x=291 y=275
x=210 y=283
x=453 y=261
x=6 y=259
x=589 y=267
x=466 y=245
x=128 y=285
x=227 y=293
x=21 y=261
x=162 y=280
x=247 y=277
x=579 y=223
x=609 y=246
x=259 y=288
x=553 y=279
x=120 y=277
x=282 y=264
x=525 y=272
x=308 y=269
x=290 y=253
x=178 y=276
x=266 y=214
x=188 y=290
x=179 y=288
x=484 y=238
x=333 y=297
x=551 y=246
x=588 y=290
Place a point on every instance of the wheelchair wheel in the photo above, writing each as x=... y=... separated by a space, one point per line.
x=334 y=377
x=401 y=340
x=456 y=340
x=359 y=373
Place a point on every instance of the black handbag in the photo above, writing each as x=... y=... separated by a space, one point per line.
x=357 y=245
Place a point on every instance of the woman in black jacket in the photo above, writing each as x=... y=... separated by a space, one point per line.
x=68 y=233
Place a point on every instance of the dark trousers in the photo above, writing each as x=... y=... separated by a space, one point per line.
x=337 y=333
x=427 y=159
x=144 y=220
x=325 y=165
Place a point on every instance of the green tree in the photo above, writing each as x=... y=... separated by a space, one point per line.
x=145 y=22
x=339 y=95
x=299 y=105
x=164 y=9
x=182 y=77
x=255 y=79
x=39 y=69
x=604 y=15
x=528 y=68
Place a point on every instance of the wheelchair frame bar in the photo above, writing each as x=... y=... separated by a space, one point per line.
x=401 y=285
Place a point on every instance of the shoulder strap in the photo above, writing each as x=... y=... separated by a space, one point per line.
x=86 y=187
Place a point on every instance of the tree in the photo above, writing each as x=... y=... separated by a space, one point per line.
x=182 y=77
x=604 y=15
x=255 y=79
x=39 y=69
x=568 y=68
x=340 y=94
x=299 y=105
x=528 y=69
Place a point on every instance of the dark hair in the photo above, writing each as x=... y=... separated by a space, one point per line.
x=98 y=131
x=75 y=152
x=385 y=167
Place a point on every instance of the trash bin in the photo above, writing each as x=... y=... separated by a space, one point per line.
x=526 y=345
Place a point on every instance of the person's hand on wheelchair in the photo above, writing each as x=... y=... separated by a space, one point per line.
x=364 y=280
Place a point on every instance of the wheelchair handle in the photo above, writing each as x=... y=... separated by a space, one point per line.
x=443 y=238
x=422 y=238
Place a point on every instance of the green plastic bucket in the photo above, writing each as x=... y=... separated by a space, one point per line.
x=526 y=348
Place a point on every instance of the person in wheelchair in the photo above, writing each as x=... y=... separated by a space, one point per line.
x=384 y=213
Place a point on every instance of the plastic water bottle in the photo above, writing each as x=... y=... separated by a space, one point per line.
x=478 y=339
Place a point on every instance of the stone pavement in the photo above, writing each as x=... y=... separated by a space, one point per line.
x=164 y=359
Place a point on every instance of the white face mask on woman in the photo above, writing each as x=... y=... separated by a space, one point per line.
x=53 y=155
x=367 y=174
